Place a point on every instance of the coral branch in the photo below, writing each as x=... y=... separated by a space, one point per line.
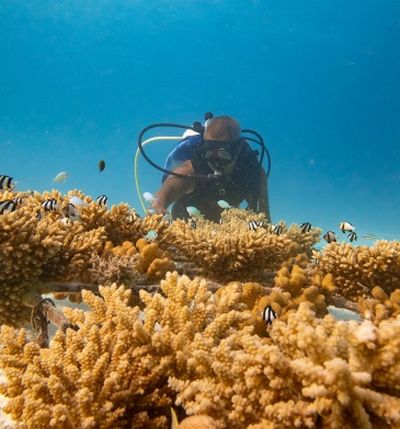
x=55 y=316
x=68 y=287
x=340 y=302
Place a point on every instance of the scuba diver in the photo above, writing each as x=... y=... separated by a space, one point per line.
x=212 y=163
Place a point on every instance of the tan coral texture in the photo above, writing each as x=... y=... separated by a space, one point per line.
x=105 y=375
x=357 y=270
x=231 y=251
x=35 y=250
x=198 y=344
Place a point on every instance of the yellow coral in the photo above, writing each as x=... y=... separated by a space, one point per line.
x=102 y=376
x=152 y=260
x=296 y=286
x=380 y=306
x=357 y=270
x=291 y=381
x=230 y=250
x=211 y=354
x=38 y=250
x=199 y=422
x=120 y=367
x=127 y=248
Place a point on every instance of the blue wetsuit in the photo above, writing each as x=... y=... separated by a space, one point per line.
x=183 y=151
x=242 y=183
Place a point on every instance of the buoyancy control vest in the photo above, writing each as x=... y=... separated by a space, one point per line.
x=242 y=183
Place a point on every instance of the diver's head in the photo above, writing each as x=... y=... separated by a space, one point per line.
x=222 y=128
x=221 y=142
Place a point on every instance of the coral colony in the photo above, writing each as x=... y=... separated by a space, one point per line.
x=222 y=325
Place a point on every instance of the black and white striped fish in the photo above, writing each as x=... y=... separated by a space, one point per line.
x=314 y=261
x=269 y=315
x=330 y=237
x=18 y=200
x=6 y=182
x=305 y=227
x=101 y=200
x=346 y=227
x=277 y=229
x=7 y=206
x=130 y=218
x=192 y=223
x=352 y=235
x=71 y=212
x=255 y=224
x=50 y=205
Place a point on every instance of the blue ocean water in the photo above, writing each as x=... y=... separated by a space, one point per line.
x=318 y=79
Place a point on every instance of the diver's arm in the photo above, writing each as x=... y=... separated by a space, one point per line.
x=263 y=199
x=174 y=187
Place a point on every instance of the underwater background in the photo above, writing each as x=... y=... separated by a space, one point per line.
x=319 y=80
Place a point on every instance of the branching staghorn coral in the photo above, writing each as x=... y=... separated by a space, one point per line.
x=207 y=350
x=242 y=216
x=75 y=366
x=356 y=270
x=231 y=251
x=121 y=223
x=35 y=253
x=295 y=284
x=44 y=251
x=221 y=381
x=239 y=219
x=381 y=306
x=289 y=380
x=105 y=375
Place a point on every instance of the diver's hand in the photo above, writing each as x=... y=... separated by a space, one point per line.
x=157 y=208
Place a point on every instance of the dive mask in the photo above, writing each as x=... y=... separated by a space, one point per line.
x=219 y=152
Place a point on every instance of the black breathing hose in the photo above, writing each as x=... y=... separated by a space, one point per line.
x=199 y=129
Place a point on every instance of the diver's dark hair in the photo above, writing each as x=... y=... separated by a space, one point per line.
x=222 y=128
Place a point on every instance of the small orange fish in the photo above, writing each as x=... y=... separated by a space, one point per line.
x=102 y=165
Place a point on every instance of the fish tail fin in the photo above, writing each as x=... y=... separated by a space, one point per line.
x=174 y=419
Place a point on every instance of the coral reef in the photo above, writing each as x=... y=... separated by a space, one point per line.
x=197 y=343
x=199 y=422
x=153 y=261
x=121 y=223
x=357 y=270
x=231 y=251
x=121 y=369
x=45 y=251
x=380 y=306
x=289 y=380
x=296 y=284
x=35 y=251
x=102 y=376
